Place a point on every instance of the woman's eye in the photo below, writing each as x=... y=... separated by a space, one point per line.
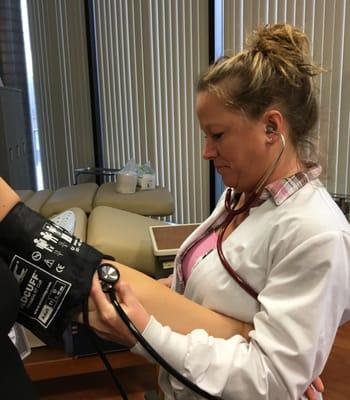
x=217 y=136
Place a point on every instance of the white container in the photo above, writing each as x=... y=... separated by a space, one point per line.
x=126 y=182
x=147 y=182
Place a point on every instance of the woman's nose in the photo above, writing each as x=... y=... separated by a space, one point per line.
x=209 y=150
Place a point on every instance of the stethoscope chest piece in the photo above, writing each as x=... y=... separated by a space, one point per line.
x=108 y=276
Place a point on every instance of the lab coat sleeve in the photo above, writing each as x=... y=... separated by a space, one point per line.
x=302 y=304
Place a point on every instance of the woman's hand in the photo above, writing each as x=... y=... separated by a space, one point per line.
x=317 y=385
x=104 y=319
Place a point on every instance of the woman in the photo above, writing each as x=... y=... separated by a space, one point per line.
x=290 y=244
x=185 y=315
x=14 y=382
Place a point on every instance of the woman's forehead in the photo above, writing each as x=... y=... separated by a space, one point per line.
x=211 y=109
x=209 y=103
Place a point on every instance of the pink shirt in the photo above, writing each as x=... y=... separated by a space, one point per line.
x=197 y=251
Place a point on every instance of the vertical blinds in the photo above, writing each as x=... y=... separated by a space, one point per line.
x=59 y=51
x=13 y=75
x=327 y=24
x=149 y=56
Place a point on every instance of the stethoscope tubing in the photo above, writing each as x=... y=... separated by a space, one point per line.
x=109 y=289
x=246 y=206
x=104 y=359
x=148 y=347
x=241 y=282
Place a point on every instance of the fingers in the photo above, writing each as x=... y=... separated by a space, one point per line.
x=108 y=321
x=78 y=317
x=126 y=294
x=318 y=384
x=310 y=393
x=98 y=297
x=132 y=306
x=105 y=336
x=91 y=305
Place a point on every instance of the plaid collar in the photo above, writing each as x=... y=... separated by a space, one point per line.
x=282 y=189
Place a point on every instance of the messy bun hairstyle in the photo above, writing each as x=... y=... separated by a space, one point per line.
x=273 y=69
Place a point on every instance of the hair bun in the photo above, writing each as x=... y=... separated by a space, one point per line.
x=287 y=50
x=279 y=38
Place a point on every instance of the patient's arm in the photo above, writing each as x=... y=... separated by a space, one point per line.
x=175 y=310
x=8 y=199
x=167 y=306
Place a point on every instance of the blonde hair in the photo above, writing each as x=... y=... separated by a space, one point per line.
x=273 y=69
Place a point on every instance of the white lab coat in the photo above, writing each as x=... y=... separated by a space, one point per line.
x=297 y=257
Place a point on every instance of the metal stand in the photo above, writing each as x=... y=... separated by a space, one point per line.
x=94 y=171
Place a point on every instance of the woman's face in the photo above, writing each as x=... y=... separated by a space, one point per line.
x=236 y=144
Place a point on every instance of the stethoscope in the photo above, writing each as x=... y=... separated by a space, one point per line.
x=232 y=213
x=109 y=275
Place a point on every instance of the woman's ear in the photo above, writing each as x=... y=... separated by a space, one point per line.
x=273 y=121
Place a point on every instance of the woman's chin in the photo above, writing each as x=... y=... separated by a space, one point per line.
x=229 y=183
x=234 y=185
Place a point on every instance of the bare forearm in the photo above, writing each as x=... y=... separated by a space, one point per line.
x=8 y=199
x=176 y=311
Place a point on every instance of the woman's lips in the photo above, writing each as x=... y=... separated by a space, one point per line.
x=221 y=167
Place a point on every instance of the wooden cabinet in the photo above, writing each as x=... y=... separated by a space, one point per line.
x=56 y=375
x=336 y=375
x=49 y=365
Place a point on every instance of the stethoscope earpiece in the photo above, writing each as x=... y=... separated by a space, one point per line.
x=270 y=129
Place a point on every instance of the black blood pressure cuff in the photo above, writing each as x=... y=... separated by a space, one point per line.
x=53 y=269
